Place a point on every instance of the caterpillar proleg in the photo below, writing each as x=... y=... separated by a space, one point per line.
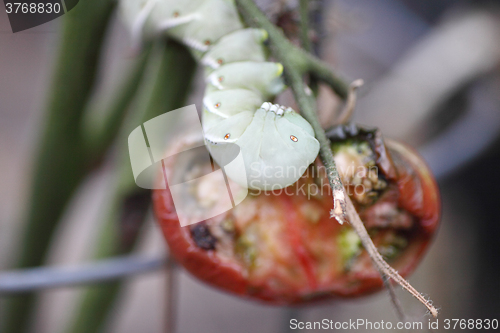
x=276 y=143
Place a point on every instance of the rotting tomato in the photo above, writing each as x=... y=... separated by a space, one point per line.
x=282 y=246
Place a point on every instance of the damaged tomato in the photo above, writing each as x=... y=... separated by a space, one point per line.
x=283 y=247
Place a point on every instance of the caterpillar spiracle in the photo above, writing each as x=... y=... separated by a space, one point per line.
x=273 y=139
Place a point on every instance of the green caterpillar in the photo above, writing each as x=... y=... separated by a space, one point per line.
x=276 y=143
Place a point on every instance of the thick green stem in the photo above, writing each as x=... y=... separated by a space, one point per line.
x=60 y=163
x=101 y=125
x=164 y=88
x=295 y=62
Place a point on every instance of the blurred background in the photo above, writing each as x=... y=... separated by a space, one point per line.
x=432 y=79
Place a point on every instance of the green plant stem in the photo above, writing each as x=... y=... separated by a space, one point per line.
x=165 y=88
x=344 y=117
x=322 y=72
x=60 y=162
x=296 y=62
x=305 y=40
x=304 y=25
x=103 y=122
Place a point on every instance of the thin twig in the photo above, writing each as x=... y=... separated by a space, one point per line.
x=296 y=63
x=394 y=299
x=322 y=71
x=344 y=117
x=377 y=259
x=350 y=104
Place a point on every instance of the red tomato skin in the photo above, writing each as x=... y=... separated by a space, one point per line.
x=229 y=277
x=427 y=209
x=201 y=263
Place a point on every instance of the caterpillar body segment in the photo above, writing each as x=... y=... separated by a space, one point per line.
x=241 y=45
x=276 y=143
x=269 y=137
x=260 y=77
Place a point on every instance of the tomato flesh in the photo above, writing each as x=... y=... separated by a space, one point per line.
x=282 y=247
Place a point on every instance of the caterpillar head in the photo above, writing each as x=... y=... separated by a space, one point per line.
x=277 y=145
